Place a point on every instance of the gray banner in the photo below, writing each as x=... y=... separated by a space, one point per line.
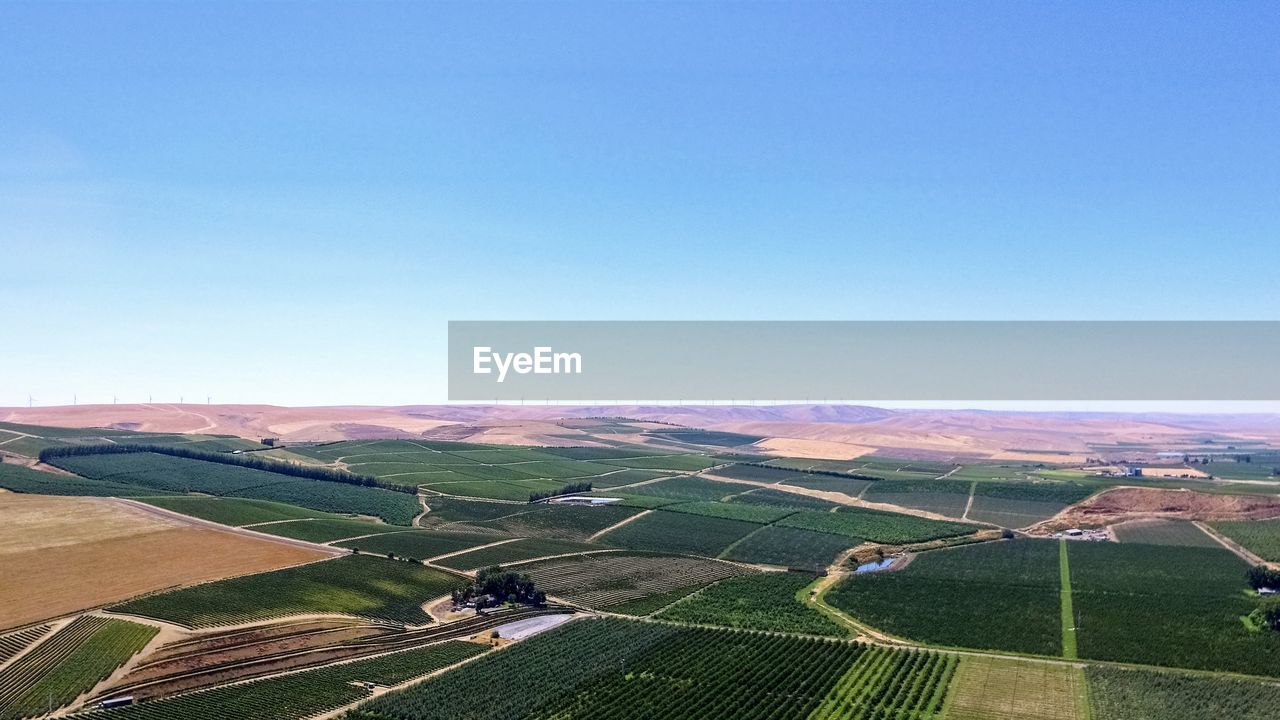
x=862 y=361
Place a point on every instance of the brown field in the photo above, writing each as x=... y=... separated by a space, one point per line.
x=816 y=449
x=86 y=552
x=1131 y=503
x=1006 y=689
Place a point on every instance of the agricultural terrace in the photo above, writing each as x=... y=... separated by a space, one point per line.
x=635 y=582
x=358 y=585
x=84 y=552
x=646 y=670
x=761 y=601
x=69 y=663
x=300 y=695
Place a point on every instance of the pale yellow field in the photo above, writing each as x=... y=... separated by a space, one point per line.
x=815 y=449
x=63 y=554
x=1001 y=689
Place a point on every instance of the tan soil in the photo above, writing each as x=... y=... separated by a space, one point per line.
x=96 y=572
x=1129 y=503
x=39 y=522
x=814 y=449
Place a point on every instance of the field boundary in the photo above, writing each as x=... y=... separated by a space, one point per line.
x=1069 y=640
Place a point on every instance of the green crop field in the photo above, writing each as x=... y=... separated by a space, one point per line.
x=169 y=473
x=667 y=531
x=781 y=498
x=877 y=526
x=1026 y=503
x=300 y=695
x=689 y=488
x=752 y=513
x=1163 y=532
x=323 y=531
x=851 y=486
x=517 y=551
x=627 y=670
x=614 y=580
x=418 y=544
x=1261 y=537
x=1262 y=468
x=356 y=585
x=494 y=489
x=68 y=663
x=233 y=511
x=760 y=473
x=1130 y=694
x=1191 y=598
x=683 y=463
x=994 y=596
x=559 y=521
x=763 y=601
x=790 y=547
x=15 y=642
x=448 y=510
x=945 y=497
x=21 y=479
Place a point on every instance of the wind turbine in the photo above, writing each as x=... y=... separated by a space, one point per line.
x=30 y=400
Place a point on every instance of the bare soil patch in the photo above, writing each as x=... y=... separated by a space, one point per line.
x=1130 y=503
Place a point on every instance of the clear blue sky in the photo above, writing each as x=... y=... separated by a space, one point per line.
x=274 y=202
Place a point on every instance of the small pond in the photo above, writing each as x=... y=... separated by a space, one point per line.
x=874 y=566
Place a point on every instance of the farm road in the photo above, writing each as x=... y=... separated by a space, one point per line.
x=209 y=524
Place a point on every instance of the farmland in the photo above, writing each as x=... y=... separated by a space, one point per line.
x=1191 y=597
x=688 y=488
x=986 y=688
x=1163 y=532
x=516 y=551
x=300 y=695
x=790 y=547
x=876 y=526
x=1261 y=537
x=357 y=585
x=418 y=544
x=994 y=596
x=557 y=521
x=69 y=663
x=639 y=670
x=607 y=580
x=85 y=552
x=1023 y=504
x=174 y=474
x=679 y=532
x=762 y=601
x=945 y=497
x=1124 y=694
x=323 y=531
x=233 y=511
x=21 y=479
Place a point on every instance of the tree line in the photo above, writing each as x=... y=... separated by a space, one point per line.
x=279 y=467
x=570 y=489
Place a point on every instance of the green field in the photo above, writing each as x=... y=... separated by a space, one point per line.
x=689 y=488
x=355 y=585
x=666 y=531
x=781 y=498
x=418 y=544
x=993 y=596
x=945 y=497
x=1021 y=504
x=517 y=551
x=1261 y=537
x=990 y=688
x=877 y=526
x=638 y=582
x=300 y=695
x=624 y=670
x=790 y=547
x=21 y=479
x=1130 y=694
x=323 y=531
x=746 y=512
x=69 y=663
x=763 y=601
x=1191 y=598
x=559 y=521
x=233 y=511
x=174 y=474
x=1163 y=532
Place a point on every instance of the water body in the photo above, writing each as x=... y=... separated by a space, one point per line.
x=874 y=566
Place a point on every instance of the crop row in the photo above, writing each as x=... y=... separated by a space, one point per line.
x=761 y=601
x=15 y=642
x=299 y=695
x=607 y=579
x=358 y=585
x=890 y=684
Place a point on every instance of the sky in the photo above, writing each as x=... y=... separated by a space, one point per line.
x=287 y=202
